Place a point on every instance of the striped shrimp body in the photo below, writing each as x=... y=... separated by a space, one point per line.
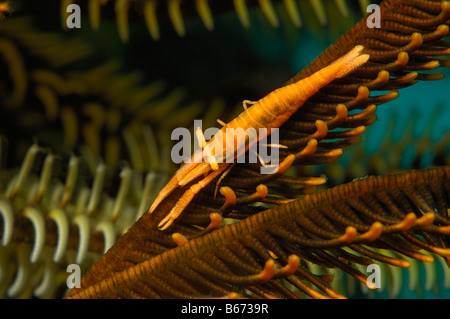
x=269 y=112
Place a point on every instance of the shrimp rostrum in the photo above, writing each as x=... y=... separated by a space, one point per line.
x=267 y=113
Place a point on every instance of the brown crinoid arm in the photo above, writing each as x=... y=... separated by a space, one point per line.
x=415 y=27
x=378 y=212
x=411 y=40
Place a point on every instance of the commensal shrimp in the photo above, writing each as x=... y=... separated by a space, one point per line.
x=269 y=112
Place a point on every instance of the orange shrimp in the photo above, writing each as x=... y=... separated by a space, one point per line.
x=269 y=112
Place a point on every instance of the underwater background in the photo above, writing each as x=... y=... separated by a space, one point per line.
x=206 y=74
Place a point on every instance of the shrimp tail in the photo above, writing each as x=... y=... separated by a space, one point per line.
x=185 y=175
x=166 y=191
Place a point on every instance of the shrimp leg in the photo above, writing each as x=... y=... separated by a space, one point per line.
x=245 y=103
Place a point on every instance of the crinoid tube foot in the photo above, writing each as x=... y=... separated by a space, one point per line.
x=216 y=223
x=268 y=272
x=348 y=236
x=179 y=239
x=260 y=194
x=425 y=220
x=289 y=268
x=230 y=200
x=373 y=233
x=406 y=223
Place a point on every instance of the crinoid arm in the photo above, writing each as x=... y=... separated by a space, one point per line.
x=355 y=222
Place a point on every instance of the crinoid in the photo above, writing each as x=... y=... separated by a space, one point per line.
x=93 y=138
x=180 y=13
x=268 y=245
